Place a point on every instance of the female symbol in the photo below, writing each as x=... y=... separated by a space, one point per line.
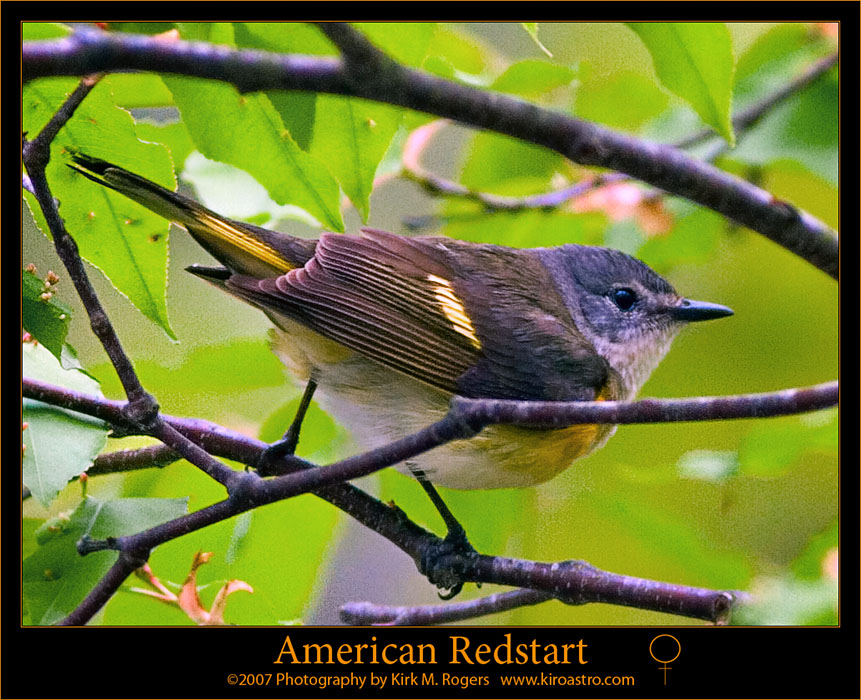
x=665 y=661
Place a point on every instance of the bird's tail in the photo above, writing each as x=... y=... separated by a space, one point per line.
x=241 y=247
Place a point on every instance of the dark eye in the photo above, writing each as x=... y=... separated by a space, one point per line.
x=624 y=298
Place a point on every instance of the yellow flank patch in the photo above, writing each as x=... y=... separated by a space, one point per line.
x=453 y=309
x=247 y=243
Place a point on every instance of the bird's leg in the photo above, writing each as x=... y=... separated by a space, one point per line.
x=454 y=543
x=288 y=442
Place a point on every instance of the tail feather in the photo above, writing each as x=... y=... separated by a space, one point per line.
x=241 y=247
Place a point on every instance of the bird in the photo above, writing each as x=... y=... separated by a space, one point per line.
x=388 y=328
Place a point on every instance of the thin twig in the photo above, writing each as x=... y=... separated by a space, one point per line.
x=434 y=184
x=126 y=461
x=133 y=459
x=549 y=414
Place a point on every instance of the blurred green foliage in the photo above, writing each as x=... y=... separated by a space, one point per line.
x=744 y=504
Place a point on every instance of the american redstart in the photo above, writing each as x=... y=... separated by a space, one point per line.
x=390 y=327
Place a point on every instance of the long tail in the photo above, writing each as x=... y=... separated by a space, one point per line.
x=241 y=247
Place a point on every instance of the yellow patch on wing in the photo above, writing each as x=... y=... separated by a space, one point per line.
x=246 y=242
x=453 y=309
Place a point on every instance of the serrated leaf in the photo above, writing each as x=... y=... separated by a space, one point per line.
x=56 y=578
x=58 y=444
x=694 y=60
x=127 y=242
x=248 y=133
x=351 y=137
x=46 y=319
x=297 y=109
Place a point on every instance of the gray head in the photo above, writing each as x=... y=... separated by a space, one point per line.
x=628 y=311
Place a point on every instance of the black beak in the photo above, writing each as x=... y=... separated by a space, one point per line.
x=690 y=310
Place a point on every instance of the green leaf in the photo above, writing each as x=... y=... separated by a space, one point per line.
x=37 y=31
x=532 y=29
x=283 y=37
x=455 y=53
x=784 y=48
x=525 y=229
x=694 y=61
x=351 y=137
x=149 y=28
x=29 y=528
x=56 y=578
x=496 y=159
x=248 y=133
x=297 y=109
x=47 y=320
x=235 y=194
x=127 y=242
x=138 y=90
x=804 y=128
x=175 y=136
x=534 y=78
x=625 y=100
x=406 y=42
x=58 y=444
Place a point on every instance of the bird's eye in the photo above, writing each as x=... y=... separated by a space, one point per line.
x=624 y=298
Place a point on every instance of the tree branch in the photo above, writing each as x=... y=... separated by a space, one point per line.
x=661 y=166
x=465 y=417
x=371 y=614
x=592 y=586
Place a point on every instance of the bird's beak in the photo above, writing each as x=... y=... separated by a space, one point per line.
x=689 y=310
